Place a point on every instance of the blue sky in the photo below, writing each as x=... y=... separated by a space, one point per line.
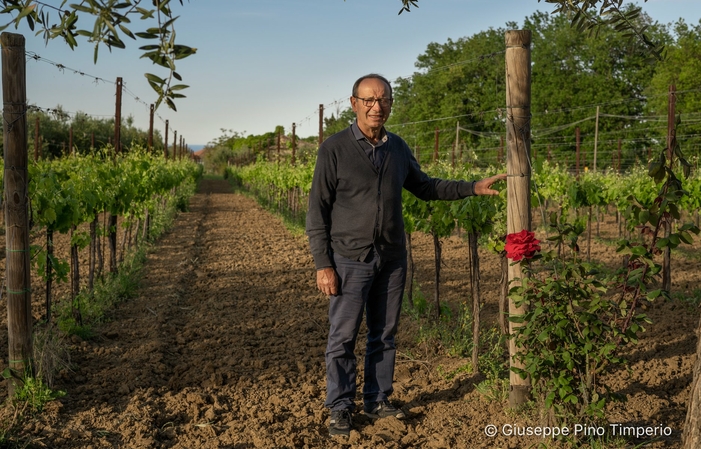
x=263 y=63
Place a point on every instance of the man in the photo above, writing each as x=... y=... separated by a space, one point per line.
x=356 y=236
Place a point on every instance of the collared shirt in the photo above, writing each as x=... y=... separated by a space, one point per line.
x=376 y=153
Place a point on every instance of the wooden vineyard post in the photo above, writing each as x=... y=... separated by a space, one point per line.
x=691 y=438
x=321 y=124
x=294 y=142
x=165 y=144
x=150 y=128
x=279 y=134
x=117 y=149
x=16 y=205
x=118 y=118
x=518 y=114
x=175 y=143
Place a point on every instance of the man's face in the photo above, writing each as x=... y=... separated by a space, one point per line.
x=371 y=118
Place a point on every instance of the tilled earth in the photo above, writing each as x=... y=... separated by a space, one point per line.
x=223 y=348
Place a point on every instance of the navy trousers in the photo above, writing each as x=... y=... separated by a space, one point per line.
x=376 y=288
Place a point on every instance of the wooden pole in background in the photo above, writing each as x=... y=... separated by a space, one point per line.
x=118 y=119
x=16 y=205
x=112 y=238
x=150 y=128
x=321 y=124
x=518 y=114
x=294 y=142
x=165 y=144
x=175 y=143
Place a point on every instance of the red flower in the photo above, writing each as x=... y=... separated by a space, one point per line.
x=521 y=245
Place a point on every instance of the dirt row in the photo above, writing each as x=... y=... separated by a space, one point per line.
x=223 y=348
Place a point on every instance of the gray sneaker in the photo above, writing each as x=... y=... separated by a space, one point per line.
x=383 y=409
x=341 y=422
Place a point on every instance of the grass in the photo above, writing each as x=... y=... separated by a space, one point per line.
x=453 y=333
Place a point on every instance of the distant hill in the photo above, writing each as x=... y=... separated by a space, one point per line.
x=194 y=148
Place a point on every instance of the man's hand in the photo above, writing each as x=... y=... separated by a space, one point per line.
x=484 y=186
x=327 y=281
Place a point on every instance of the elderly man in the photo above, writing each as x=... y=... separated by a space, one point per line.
x=356 y=236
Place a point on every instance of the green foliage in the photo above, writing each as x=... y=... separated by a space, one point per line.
x=111 y=19
x=334 y=124
x=35 y=394
x=574 y=328
x=68 y=192
x=571 y=332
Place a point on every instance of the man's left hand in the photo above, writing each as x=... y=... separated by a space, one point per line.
x=484 y=186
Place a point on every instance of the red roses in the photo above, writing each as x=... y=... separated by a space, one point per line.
x=521 y=245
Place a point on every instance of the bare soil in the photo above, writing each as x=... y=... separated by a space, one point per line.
x=223 y=347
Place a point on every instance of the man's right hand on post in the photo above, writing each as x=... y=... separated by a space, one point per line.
x=327 y=281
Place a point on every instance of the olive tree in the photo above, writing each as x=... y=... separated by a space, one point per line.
x=107 y=23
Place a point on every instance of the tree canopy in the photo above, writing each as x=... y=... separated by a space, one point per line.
x=461 y=83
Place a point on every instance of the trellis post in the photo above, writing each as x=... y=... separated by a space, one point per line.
x=16 y=205
x=518 y=115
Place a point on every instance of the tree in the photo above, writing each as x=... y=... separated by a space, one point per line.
x=334 y=124
x=453 y=83
x=593 y=15
x=111 y=18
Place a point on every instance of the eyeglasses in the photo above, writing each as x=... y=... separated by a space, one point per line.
x=370 y=102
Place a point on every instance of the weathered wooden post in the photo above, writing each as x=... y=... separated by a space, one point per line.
x=118 y=118
x=518 y=115
x=117 y=149
x=175 y=143
x=294 y=142
x=321 y=124
x=150 y=128
x=16 y=205
x=279 y=133
x=165 y=144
